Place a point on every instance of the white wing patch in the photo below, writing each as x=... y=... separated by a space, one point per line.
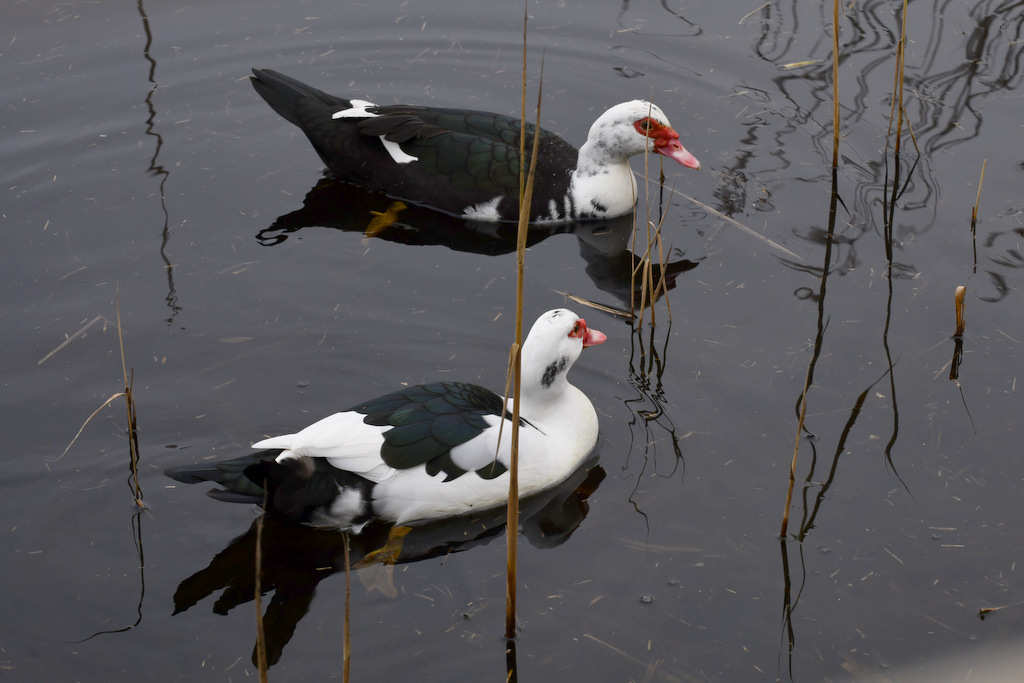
x=358 y=110
x=396 y=152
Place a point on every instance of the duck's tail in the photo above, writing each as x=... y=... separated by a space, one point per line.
x=285 y=95
x=297 y=489
x=238 y=488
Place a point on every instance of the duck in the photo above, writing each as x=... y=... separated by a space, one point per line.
x=466 y=162
x=425 y=452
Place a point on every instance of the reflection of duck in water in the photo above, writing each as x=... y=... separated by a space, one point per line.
x=466 y=163
x=296 y=559
x=604 y=245
x=425 y=452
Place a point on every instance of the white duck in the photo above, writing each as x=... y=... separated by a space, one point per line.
x=425 y=452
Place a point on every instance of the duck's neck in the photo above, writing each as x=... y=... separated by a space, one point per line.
x=602 y=185
x=544 y=381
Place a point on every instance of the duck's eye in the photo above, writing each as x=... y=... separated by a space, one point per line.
x=576 y=330
x=647 y=127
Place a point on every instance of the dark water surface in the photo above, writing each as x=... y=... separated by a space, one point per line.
x=140 y=168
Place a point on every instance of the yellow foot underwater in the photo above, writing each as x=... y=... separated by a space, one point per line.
x=387 y=553
x=382 y=221
x=377 y=568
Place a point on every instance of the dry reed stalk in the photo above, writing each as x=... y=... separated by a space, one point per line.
x=644 y=268
x=596 y=306
x=735 y=223
x=640 y=266
x=632 y=248
x=896 y=110
x=82 y=330
x=961 y=291
x=647 y=266
x=835 y=83
x=663 y=280
x=129 y=397
x=522 y=118
x=901 y=64
x=649 y=286
x=526 y=197
x=958 y=297
x=977 y=200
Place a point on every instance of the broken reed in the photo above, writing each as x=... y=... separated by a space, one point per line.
x=958 y=299
x=961 y=291
x=133 y=438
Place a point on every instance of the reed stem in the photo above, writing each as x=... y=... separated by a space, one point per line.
x=129 y=398
x=958 y=298
x=835 y=83
x=526 y=193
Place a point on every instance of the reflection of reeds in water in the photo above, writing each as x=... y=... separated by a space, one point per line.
x=653 y=280
x=802 y=403
x=260 y=651
x=133 y=451
x=347 y=636
x=647 y=366
x=896 y=120
x=811 y=508
x=261 y=640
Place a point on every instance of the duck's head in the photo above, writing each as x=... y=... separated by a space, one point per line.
x=632 y=128
x=554 y=343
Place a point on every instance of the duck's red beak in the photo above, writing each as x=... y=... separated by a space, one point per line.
x=592 y=337
x=588 y=336
x=673 y=149
x=666 y=142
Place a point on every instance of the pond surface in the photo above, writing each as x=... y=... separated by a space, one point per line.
x=143 y=175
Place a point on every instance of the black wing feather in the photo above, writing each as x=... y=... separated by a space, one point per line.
x=428 y=421
x=463 y=157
